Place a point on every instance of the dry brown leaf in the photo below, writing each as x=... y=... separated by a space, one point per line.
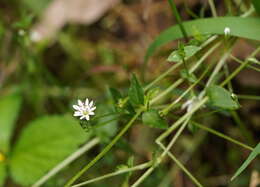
x=61 y=12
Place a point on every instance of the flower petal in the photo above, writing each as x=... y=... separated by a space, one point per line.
x=82 y=117
x=92 y=109
x=87 y=117
x=90 y=104
x=86 y=102
x=91 y=113
x=76 y=107
x=77 y=114
x=80 y=103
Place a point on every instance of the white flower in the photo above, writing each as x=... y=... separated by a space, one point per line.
x=189 y=104
x=84 y=110
x=35 y=36
x=227 y=31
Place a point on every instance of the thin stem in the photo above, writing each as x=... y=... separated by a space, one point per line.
x=219 y=66
x=249 y=12
x=141 y=179
x=122 y=171
x=175 y=137
x=234 y=73
x=178 y=18
x=243 y=128
x=168 y=108
x=240 y=68
x=162 y=76
x=168 y=90
x=253 y=97
x=175 y=66
x=182 y=119
x=179 y=81
x=105 y=150
x=159 y=159
x=183 y=168
x=241 y=62
x=67 y=161
x=219 y=134
x=213 y=8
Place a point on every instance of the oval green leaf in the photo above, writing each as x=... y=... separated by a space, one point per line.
x=136 y=92
x=9 y=110
x=189 y=51
x=220 y=97
x=44 y=143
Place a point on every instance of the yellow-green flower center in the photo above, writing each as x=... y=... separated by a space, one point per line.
x=85 y=112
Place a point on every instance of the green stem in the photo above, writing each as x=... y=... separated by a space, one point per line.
x=193 y=68
x=175 y=66
x=105 y=150
x=182 y=119
x=241 y=62
x=243 y=129
x=67 y=161
x=212 y=131
x=213 y=8
x=183 y=168
x=159 y=159
x=167 y=109
x=253 y=97
x=234 y=73
x=240 y=68
x=178 y=18
x=122 y=171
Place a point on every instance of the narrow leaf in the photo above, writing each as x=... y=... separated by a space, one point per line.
x=115 y=94
x=44 y=143
x=248 y=28
x=136 y=92
x=153 y=119
x=220 y=97
x=249 y=159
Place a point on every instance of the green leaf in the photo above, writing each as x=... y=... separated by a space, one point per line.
x=108 y=123
x=2 y=172
x=249 y=159
x=189 y=51
x=153 y=119
x=136 y=92
x=115 y=95
x=248 y=28
x=44 y=143
x=9 y=110
x=222 y=98
x=256 y=4
x=189 y=76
